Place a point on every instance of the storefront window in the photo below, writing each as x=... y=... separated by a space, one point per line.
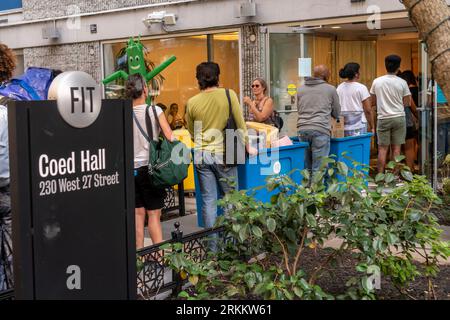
x=285 y=51
x=284 y=55
x=10 y=4
x=179 y=83
x=226 y=54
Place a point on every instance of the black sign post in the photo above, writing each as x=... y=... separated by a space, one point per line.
x=72 y=201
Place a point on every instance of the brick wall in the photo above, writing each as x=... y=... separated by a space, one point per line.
x=39 y=9
x=81 y=57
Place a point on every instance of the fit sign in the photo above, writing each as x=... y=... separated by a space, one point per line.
x=72 y=194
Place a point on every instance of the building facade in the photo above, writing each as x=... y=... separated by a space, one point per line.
x=277 y=40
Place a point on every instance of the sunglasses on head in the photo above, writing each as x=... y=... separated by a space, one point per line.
x=255 y=86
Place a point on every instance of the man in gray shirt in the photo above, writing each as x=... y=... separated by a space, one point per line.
x=317 y=102
x=6 y=278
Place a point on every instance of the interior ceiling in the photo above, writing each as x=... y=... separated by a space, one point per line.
x=361 y=28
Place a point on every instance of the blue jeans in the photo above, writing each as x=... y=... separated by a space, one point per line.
x=210 y=175
x=319 y=147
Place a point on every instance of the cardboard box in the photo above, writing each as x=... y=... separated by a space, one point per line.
x=337 y=128
x=269 y=133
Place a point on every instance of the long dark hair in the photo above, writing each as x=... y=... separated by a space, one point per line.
x=134 y=87
x=409 y=77
x=349 y=71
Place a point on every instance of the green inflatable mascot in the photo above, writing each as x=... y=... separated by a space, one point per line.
x=136 y=64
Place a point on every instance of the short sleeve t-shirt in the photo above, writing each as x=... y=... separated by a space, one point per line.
x=141 y=145
x=207 y=115
x=351 y=97
x=390 y=91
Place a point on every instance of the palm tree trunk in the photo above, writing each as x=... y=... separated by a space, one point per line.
x=432 y=20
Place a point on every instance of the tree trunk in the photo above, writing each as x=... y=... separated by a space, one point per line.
x=426 y=16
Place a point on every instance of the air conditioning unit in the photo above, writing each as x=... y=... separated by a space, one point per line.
x=51 y=33
x=246 y=9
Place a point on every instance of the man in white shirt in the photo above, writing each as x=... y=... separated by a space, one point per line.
x=391 y=95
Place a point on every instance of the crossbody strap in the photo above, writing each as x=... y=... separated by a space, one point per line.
x=140 y=128
x=156 y=118
x=227 y=92
x=148 y=123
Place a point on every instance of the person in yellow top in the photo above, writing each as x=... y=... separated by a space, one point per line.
x=206 y=116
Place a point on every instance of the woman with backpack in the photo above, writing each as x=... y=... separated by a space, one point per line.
x=148 y=199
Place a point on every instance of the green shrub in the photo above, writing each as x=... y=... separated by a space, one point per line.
x=383 y=228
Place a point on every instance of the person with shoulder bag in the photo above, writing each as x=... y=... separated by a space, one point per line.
x=209 y=115
x=261 y=109
x=148 y=198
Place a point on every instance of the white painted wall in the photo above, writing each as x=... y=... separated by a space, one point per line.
x=197 y=15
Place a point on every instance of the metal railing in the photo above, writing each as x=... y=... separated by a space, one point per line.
x=170 y=203
x=154 y=277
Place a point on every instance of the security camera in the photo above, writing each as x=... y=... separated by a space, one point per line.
x=170 y=19
x=160 y=17
x=147 y=23
x=156 y=17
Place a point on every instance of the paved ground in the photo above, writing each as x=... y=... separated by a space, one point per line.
x=188 y=223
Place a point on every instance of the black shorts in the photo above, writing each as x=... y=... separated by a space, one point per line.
x=147 y=196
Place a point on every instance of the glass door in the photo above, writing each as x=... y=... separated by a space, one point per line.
x=426 y=143
x=434 y=130
x=292 y=56
x=285 y=51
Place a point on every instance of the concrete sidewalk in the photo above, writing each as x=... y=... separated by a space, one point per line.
x=336 y=243
x=188 y=223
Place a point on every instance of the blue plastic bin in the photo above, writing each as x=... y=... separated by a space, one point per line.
x=253 y=174
x=256 y=170
x=356 y=147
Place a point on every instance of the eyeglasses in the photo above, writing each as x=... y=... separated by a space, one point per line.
x=255 y=85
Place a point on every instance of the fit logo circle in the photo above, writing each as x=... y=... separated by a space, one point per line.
x=78 y=98
x=277 y=167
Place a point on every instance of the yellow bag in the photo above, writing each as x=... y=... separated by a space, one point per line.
x=269 y=133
